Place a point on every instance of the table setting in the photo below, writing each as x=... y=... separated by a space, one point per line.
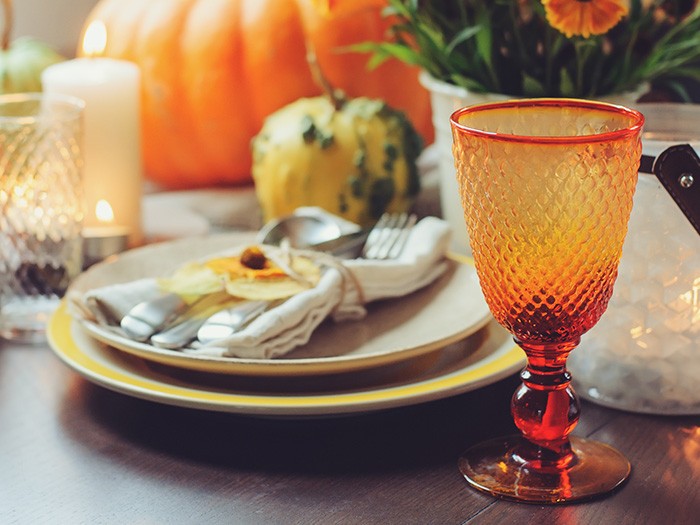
x=480 y=292
x=391 y=335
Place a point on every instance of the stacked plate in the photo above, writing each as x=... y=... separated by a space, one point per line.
x=437 y=342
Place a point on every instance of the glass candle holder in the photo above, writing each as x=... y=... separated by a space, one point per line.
x=41 y=208
x=643 y=354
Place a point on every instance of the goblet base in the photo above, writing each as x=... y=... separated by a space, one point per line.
x=494 y=467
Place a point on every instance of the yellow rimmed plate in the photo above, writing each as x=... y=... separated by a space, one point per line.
x=480 y=359
x=446 y=311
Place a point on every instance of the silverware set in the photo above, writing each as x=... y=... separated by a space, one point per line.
x=169 y=322
x=218 y=326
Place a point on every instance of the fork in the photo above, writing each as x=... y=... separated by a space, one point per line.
x=388 y=237
x=385 y=240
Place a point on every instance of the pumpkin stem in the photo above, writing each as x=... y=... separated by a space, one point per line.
x=7 y=28
x=336 y=97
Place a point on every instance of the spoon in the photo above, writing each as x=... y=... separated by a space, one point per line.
x=300 y=231
x=315 y=232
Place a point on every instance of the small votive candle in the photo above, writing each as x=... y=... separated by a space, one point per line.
x=104 y=240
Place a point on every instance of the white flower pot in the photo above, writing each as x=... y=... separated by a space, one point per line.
x=445 y=99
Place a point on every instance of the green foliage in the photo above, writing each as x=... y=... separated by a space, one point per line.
x=507 y=46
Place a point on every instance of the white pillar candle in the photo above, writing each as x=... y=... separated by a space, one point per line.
x=113 y=167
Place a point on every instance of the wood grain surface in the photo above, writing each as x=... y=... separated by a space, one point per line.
x=72 y=452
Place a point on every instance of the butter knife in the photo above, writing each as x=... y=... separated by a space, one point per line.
x=228 y=321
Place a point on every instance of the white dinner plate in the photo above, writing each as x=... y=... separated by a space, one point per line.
x=446 y=311
x=481 y=359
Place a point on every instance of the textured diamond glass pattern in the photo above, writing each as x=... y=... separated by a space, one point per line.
x=41 y=206
x=546 y=220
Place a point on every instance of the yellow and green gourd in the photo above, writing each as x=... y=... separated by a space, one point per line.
x=355 y=158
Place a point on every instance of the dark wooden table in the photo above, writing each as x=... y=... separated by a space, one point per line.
x=72 y=452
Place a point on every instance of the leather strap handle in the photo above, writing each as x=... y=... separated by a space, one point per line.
x=678 y=170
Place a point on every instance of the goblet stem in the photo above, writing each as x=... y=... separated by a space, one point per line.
x=545 y=407
x=544 y=464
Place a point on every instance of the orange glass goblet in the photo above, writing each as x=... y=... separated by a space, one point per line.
x=546 y=187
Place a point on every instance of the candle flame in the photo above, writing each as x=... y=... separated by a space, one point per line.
x=103 y=211
x=95 y=39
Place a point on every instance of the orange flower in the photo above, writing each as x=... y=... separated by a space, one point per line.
x=584 y=17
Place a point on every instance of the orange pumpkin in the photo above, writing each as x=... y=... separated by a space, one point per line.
x=212 y=70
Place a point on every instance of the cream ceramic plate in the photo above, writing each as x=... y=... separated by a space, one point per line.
x=444 y=312
x=480 y=359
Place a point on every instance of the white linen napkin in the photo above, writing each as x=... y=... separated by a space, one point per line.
x=108 y=304
x=343 y=291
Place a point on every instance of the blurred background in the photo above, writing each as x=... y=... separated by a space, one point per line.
x=56 y=23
